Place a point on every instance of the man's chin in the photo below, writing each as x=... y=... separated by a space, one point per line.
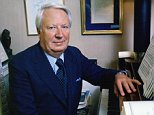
x=60 y=50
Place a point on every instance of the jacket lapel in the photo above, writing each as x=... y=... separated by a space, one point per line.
x=46 y=73
x=69 y=71
x=72 y=76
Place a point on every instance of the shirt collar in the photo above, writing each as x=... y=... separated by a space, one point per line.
x=52 y=60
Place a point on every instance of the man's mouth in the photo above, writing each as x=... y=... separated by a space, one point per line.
x=59 y=43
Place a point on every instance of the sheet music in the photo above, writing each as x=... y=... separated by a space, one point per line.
x=146 y=71
x=138 y=108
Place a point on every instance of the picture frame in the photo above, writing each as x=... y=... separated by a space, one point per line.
x=31 y=7
x=101 y=17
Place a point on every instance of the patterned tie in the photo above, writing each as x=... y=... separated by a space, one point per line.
x=61 y=74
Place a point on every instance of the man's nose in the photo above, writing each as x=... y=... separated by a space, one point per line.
x=59 y=32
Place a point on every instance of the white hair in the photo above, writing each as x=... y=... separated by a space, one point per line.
x=38 y=20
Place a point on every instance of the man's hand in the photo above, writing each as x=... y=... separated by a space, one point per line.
x=122 y=81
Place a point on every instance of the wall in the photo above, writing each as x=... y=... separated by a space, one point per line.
x=102 y=47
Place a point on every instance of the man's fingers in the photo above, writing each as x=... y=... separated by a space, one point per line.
x=136 y=81
x=127 y=87
x=125 y=84
x=119 y=85
x=131 y=85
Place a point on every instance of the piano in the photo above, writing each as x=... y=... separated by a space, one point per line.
x=131 y=63
x=109 y=103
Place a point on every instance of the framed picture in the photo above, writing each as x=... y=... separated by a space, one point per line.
x=101 y=16
x=31 y=7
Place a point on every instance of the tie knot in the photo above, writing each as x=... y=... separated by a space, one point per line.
x=59 y=63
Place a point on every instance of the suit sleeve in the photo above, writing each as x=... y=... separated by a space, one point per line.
x=95 y=74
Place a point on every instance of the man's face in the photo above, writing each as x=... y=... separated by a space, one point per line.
x=55 y=31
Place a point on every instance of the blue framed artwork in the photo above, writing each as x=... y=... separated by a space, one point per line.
x=101 y=17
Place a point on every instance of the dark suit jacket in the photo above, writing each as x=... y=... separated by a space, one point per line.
x=35 y=90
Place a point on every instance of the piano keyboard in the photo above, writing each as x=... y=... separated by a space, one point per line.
x=103 y=105
x=109 y=103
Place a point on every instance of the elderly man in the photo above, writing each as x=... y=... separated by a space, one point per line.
x=46 y=79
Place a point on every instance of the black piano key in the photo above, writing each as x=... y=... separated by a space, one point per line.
x=113 y=103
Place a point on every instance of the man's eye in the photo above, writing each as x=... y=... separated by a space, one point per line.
x=52 y=27
x=65 y=26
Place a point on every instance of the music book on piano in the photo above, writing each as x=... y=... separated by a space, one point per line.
x=138 y=108
x=146 y=71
